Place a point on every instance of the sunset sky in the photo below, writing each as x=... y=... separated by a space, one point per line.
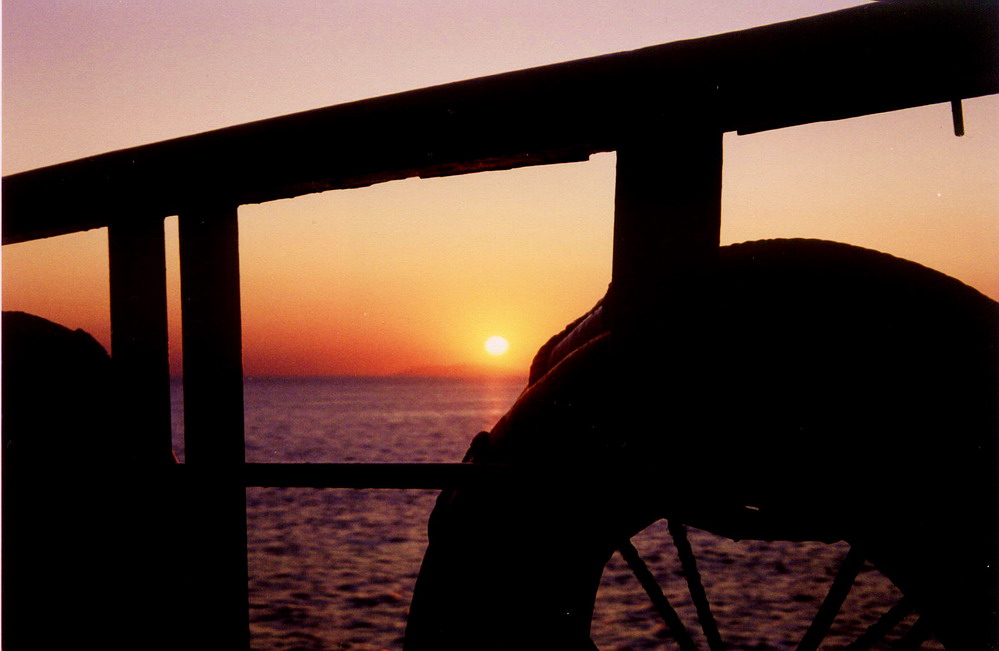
x=422 y=272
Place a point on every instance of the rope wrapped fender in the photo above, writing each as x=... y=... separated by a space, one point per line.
x=824 y=391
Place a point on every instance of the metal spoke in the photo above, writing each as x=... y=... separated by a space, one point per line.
x=838 y=591
x=914 y=637
x=880 y=628
x=689 y=563
x=655 y=593
x=817 y=631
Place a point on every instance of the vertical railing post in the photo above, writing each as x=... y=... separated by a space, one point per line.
x=213 y=421
x=667 y=220
x=139 y=499
x=137 y=264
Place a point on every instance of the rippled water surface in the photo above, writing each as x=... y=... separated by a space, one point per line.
x=335 y=569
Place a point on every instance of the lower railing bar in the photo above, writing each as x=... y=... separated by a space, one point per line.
x=420 y=475
x=377 y=475
x=687 y=560
x=429 y=476
x=655 y=594
x=838 y=591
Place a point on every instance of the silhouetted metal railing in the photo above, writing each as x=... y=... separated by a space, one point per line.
x=663 y=109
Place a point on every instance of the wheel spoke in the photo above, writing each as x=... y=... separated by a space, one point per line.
x=655 y=593
x=880 y=628
x=818 y=629
x=838 y=591
x=914 y=637
x=695 y=587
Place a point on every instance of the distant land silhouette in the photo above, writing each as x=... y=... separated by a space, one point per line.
x=463 y=370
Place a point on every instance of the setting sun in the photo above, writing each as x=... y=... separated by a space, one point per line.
x=496 y=345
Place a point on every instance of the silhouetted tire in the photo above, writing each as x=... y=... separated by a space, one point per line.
x=810 y=391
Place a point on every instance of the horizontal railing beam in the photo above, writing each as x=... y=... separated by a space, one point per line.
x=376 y=475
x=868 y=59
x=710 y=509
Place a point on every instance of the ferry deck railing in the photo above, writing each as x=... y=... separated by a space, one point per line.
x=663 y=109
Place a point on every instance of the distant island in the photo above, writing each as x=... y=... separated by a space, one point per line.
x=463 y=370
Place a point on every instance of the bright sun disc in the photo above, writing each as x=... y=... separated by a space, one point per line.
x=497 y=345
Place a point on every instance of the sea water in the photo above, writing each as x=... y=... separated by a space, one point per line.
x=334 y=569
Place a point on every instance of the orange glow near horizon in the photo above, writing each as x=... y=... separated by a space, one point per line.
x=419 y=273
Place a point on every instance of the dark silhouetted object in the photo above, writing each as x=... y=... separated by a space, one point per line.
x=821 y=392
x=87 y=558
